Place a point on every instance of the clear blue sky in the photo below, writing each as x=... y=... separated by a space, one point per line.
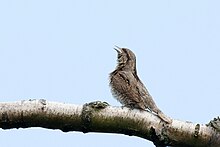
x=63 y=51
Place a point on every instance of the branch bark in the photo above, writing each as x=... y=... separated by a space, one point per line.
x=100 y=117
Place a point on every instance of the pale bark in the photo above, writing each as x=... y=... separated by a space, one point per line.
x=99 y=117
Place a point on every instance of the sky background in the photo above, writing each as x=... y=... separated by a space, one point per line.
x=63 y=51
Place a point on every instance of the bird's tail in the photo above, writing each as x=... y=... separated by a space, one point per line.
x=165 y=118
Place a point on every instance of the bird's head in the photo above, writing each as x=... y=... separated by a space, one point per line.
x=126 y=59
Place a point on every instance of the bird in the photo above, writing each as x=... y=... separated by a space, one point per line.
x=127 y=87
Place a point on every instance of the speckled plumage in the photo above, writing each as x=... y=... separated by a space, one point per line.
x=128 y=89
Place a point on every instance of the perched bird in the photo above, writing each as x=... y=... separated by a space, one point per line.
x=128 y=89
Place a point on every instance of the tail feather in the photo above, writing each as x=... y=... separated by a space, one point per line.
x=165 y=118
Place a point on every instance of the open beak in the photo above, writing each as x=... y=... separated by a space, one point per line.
x=118 y=49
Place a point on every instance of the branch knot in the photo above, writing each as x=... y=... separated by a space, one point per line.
x=87 y=113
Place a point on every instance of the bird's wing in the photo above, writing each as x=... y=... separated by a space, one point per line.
x=131 y=89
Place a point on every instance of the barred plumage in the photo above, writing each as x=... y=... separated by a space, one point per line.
x=128 y=89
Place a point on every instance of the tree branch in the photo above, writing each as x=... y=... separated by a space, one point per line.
x=100 y=117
